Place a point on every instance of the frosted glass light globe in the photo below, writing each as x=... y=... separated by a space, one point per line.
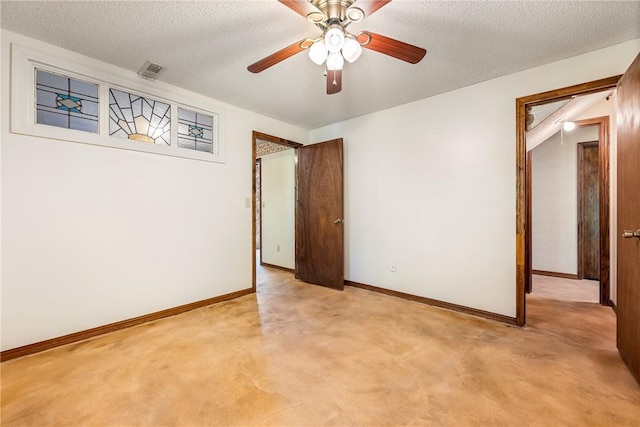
x=334 y=38
x=318 y=52
x=351 y=50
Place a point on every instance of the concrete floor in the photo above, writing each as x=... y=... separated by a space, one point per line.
x=297 y=354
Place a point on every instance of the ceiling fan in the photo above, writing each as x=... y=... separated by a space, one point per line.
x=336 y=44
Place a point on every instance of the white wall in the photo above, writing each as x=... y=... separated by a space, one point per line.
x=93 y=235
x=554 y=200
x=431 y=185
x=278 y=209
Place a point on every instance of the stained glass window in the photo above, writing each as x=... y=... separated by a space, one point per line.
x=195 y=130
x=138 y=118
x=66 y=102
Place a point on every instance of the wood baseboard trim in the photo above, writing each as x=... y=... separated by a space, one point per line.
x=277 y=267
x=613 y=306
x=437 y=303
x=555 y=274
x=111 y=327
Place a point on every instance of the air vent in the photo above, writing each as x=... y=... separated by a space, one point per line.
x=150 y=70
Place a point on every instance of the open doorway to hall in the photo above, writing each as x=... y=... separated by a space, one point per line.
x=567 y=176
x=309 y=219
x=274 y=202
x=567 y=144
x=582 y=104
x=567 y=165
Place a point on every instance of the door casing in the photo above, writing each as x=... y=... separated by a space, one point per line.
x=523 y=227
x=276 y=140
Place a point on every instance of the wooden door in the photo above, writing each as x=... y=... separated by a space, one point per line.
x=319 y=213
x=628 y=311
x=588 y=211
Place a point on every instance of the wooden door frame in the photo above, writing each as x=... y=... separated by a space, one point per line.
x=523 y=227
x=604 y=193
x=529 y=214
x=276 y=140
x=258 y=178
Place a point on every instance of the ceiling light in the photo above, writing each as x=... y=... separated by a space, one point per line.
x=334 y=47
x=318 y=52
x=567 y=126
x=351 y=49
x=334 y=38
x=335 y=61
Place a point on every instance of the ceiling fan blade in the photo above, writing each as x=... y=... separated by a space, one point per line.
x=334 y=81
x=303 y=8
x=274 y=58
x=397 y=49
x=369 y=6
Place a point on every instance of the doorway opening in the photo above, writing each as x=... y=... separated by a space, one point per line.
x=264 y=145
x=524 y=159
x=564 y=189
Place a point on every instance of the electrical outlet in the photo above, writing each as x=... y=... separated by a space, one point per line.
x=394 y=267
x=247 y=202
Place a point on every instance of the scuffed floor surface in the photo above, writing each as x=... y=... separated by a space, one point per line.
x=301 y=355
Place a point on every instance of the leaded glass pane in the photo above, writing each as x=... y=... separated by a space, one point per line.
x=138 y=118
x=195 y=130
x=66 y=102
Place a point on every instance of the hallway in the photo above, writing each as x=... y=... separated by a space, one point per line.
x=298 y=354
x=569 y=310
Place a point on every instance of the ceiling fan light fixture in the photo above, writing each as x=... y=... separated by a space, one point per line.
x=334 y=38
x=351 y=49
x=335 y=61
x=318 y=52
x=336 y=45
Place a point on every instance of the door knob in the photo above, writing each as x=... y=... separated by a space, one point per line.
x=628 y=234
x=339 y=221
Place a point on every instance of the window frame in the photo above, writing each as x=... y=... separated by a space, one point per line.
x=24 y=62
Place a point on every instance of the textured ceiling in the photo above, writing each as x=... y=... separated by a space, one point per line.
x=206 y=46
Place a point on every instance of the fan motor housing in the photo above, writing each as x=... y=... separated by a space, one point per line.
x=333 y=9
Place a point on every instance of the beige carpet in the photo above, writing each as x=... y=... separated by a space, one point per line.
x=297 y=354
